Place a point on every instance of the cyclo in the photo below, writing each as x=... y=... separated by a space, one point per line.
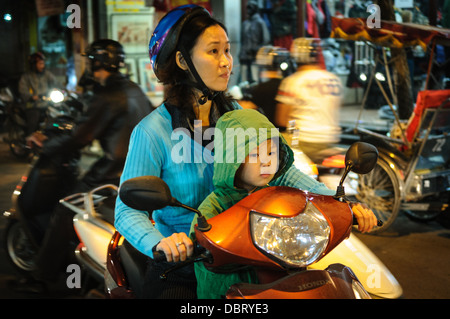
x=412 y=173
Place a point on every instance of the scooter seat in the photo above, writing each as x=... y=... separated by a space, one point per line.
x=134 y=265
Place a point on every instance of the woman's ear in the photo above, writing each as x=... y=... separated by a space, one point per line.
x=181 y=62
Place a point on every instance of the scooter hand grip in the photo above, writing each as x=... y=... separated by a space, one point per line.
x=159 y=256
x=379 y=222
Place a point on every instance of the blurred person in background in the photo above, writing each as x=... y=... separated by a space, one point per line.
x=310 y=101
x=274 y=64
x=33 y=85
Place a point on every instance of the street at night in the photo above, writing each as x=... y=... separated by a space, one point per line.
x=120 y=81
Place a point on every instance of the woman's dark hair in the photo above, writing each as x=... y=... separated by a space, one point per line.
x=177 y=90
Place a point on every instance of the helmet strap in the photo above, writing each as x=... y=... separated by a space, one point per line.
x=198 y=84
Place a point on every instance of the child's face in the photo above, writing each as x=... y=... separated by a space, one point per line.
x=259 y=166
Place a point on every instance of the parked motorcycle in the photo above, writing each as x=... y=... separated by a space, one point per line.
x=281 y=232
x=56 y=104
x=46 y=180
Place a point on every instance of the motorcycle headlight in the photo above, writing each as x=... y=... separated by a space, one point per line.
x=56 y=96
x=293 y=242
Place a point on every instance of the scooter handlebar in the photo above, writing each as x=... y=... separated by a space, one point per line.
x=379 y=222
x=159 y=256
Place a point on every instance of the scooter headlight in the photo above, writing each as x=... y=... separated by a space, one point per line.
x=293 y=242
x=56 y=96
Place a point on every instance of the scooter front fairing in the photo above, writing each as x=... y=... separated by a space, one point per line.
x=335 y=282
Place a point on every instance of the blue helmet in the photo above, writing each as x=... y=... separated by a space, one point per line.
x=166 y=34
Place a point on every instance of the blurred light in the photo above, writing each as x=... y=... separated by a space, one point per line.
x=380 y=76
x=284 y=66
x=7 y=17
x=363 y=77
x=337 y=161
x=56 y=96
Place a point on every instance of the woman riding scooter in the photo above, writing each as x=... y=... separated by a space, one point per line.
x=190 y=54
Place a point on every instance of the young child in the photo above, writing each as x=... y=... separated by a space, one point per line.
x=249 y=154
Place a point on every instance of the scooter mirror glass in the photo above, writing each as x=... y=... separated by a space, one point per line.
x=146 y=193
x=362 y=157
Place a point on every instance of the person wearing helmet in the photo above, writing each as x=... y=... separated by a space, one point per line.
x=310 y=101
x=117 y=105
x=34 y=84
x=190 y=55
x=275 y=63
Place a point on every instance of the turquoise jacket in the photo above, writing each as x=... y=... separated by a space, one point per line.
x=157 y=149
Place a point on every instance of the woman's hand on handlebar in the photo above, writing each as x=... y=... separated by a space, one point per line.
x=176 y=247
x=365 y=217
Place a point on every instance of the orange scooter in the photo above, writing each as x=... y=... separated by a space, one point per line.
x=278 y=230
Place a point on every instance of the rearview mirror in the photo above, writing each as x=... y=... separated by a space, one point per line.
x=361 y=157
x=146 y=193
x=149 y=193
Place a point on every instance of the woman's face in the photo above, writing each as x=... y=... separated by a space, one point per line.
x=212 y=58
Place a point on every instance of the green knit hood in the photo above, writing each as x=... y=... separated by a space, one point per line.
x=236 y=134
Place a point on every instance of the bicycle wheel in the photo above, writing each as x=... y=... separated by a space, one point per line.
x=379 y=189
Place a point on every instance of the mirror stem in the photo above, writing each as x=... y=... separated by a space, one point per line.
x=202 y=225
x=340 y=192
